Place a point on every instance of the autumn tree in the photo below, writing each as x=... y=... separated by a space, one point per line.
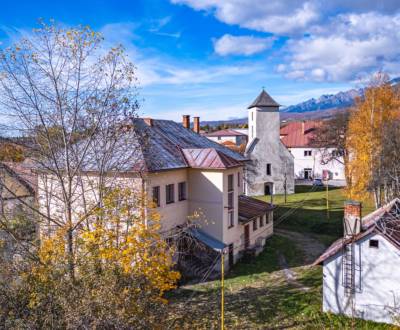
x=70 y=99
x=123 y=268
x=370 y=127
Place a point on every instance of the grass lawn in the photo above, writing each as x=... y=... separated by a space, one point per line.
x=305 y=211
x=257 y=296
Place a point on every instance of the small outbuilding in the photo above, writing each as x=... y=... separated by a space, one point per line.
x=361 y=271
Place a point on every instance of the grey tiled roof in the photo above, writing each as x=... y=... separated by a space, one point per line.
x=164 y=141
x=263 y=100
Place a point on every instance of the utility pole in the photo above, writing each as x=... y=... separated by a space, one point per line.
x=222 y=290
x=285 y=184
x=327 y=198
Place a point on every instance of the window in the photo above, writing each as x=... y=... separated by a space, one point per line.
x=374 y=243
x=169 y=193
x=307 y=153
x=230 y=182
x=219 y=138
x=268 y=169
x=261 y=221
x=182 y=191
x=238 y=179
x=156 y=196
x=231 y=220
x=254 y=224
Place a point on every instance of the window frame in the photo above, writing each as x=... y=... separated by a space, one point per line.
x=255 y=227
x=168 y=193
x=307 y=153
x=268 y=169
x=182 y=191
x=374 y=244
x=156 y=199
x=261 y=221
x=231 y=219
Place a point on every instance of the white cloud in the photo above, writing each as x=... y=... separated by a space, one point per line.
x=241 y=45
x=348 y=48
x=275 y=16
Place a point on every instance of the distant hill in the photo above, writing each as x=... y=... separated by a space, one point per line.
x=323 y=107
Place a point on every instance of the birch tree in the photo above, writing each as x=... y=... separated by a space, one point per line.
x=367 y=141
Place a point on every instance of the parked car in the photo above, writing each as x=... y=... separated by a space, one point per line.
x=318 y=183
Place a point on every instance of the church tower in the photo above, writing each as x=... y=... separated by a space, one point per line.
x=271 y=168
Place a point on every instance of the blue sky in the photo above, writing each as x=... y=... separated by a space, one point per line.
x=212 y=57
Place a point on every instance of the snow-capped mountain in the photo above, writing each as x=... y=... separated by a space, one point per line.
x=332 y=101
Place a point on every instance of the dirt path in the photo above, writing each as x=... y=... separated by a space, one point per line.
x=311 y=247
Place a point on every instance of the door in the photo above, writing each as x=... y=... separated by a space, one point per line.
x=231 y=260
x=267 y=188
x=246 y=236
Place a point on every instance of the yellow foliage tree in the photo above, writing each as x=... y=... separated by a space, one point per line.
x=365 y=136
x=123 y=268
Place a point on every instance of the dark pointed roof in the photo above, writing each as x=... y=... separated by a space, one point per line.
x=263 y=100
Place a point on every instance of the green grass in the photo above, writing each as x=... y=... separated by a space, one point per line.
x=257 y=296
x=310 y=213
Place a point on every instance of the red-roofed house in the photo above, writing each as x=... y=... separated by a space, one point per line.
x=309 y=162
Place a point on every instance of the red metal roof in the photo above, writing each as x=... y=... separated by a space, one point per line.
x=225 y=132
x=209 y=158
x=292 y=134
x=250 y=208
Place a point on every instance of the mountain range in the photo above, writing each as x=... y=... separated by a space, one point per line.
x=323 y=107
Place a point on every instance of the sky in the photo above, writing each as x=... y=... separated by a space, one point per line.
x=211 y=58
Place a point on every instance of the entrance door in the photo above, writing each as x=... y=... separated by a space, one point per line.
x=231 y=260
x=307 y=173
x=267 y=189
x=246 y=236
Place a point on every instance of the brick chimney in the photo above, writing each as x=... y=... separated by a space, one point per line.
x=186 y=121
x=148 y=121
x=352 y=218
x=196 y=125
x=303 y=127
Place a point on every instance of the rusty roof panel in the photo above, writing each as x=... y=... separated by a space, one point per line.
x=209 y=158
x=250 y=208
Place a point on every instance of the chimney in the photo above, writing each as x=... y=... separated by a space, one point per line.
x=303 y=128
x=186 y=121
x=148 y=121
x=352 y=218
x=196 y=125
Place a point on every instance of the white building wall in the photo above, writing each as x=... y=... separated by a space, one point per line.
x=314 y=162
x=377 y=282
x=265 y=147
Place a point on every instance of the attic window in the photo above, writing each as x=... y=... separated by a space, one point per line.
x=374 y=243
